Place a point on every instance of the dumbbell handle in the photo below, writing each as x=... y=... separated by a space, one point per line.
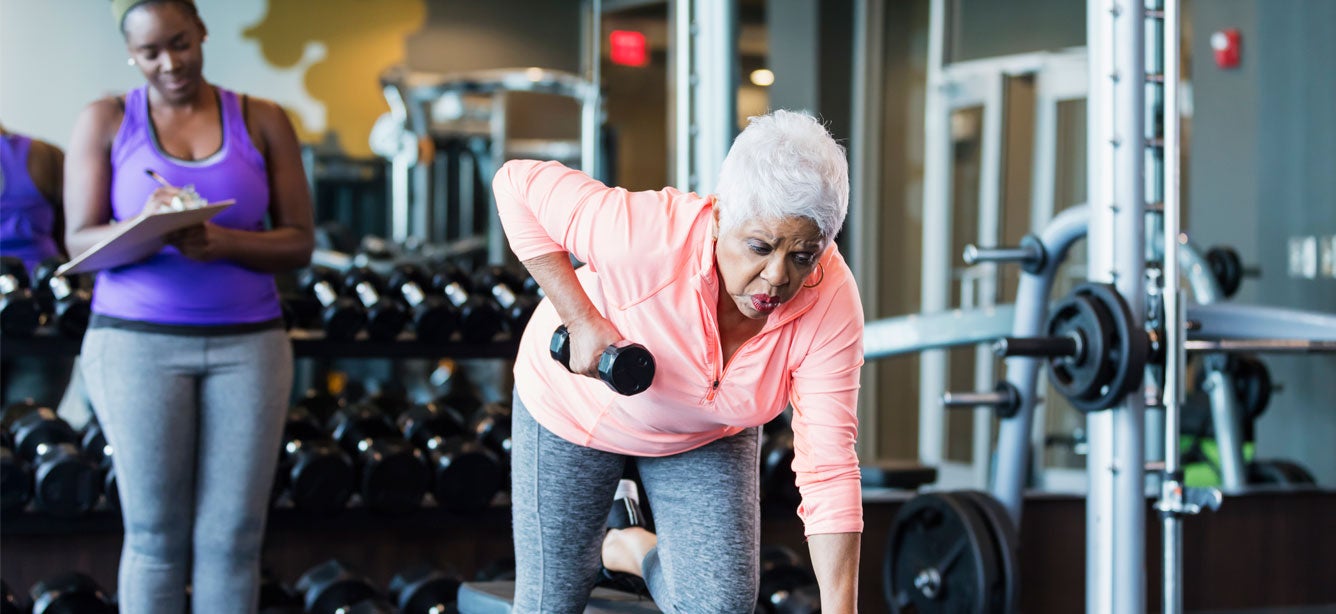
x=1045 y=347
x=60 y=287
x=455 y=293
x=367 y=293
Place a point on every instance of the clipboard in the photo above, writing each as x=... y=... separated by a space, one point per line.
x=139 y=238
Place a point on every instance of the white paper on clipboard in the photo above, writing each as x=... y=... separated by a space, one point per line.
x=139 y=238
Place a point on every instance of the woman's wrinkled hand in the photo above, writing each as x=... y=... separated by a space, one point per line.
x=203 y=242
x=589 y=337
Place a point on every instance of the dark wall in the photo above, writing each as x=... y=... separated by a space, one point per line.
x=1262 y=169
x=988 y=28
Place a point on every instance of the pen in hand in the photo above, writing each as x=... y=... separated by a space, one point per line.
x=158 y=178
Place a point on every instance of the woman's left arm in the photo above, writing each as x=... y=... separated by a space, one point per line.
x=835 y=561
x=288 y=243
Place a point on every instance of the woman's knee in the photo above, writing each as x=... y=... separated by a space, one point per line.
x=162 y=542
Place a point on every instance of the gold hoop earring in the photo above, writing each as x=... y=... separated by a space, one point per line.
x=822 y=270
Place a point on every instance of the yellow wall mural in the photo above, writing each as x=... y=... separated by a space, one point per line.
x=361 y=40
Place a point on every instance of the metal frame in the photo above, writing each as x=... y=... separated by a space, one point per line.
x=702 y=82
x=1115 y=504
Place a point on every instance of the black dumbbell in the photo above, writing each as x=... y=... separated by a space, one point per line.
x=334 y=587
x=69 y=305
x=385 y=317
x=68 y=593
x=340 y=317
x=531 y=287
x=778 y=482
x=499 y=570
x=491 y=426
x=627 y=368
x=276 y=597
x=393 y=474
x=317 y=475
x=9 y=602
x=64 y=482
x=505 y=288
x=479 y=319
x=319 y=404
x=99 y=453
x=434 y=319
x=466 y=475
x=424 y=590
x=787 y=586
x=20 y=314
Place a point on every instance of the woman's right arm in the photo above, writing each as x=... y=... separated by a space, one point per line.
x=88 y=176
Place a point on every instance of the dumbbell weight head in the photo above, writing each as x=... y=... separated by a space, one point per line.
x=394 y=474
x=20 y=314
x=95 y=448
x=466 y=474
x=318 y=475
x=778 y=482
x=70 y=593
x=386 y=318
x=491 y=427
x=479 y=319
x=332 y=587
x=64 y=482
x=786 y=585
x=627 y=368
x=276 y=597
x=504 y=288
x=70 y=306
x=341 y=317
x=434 y=319
x=424 y=590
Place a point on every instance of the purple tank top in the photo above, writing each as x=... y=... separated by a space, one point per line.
x=169 y=288
x=27 y=218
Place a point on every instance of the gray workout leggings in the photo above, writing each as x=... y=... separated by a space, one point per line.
x=195 y=424
x=706 y=508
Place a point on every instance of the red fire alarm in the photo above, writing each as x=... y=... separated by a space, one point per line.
x=1226 y=45
x=627 y=47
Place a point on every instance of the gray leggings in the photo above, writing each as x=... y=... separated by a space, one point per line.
x=195 y=424
x=706 y=508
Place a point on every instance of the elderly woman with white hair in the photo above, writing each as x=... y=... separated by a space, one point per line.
x=747 y=307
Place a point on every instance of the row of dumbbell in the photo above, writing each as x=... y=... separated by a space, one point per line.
x=328 y=588
x=29 y=302
x=390 y=464
x=435 y=304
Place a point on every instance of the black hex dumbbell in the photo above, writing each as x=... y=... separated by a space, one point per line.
x=340 y=317
x=787 y=586
x=393 y=474
x=424 y=590
x=99 y=453
x=479 y=318
x=466 y=475
x=385 y=317
x=491 y=425
x=315 y=472
x=64 y=482
x=627 y=368
x=70 y=592
x=335 y=587
x=506 y=289
x=778 y=482
x=20 y=314
x=15 y=476
x=434 y=319
x=62 y=298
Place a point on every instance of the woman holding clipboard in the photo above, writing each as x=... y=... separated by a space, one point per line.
x=187 y=363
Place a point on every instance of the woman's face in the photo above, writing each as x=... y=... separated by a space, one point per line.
x=764 y=264
x=164 y=41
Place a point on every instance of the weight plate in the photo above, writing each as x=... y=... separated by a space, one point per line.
x=1082 y=375
x=1007 y=539
x=939 y=558
x=1252 y=385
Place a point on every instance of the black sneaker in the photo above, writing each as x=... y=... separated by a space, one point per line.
x=625 y=513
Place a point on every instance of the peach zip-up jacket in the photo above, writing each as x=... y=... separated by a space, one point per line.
x=651 y=271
